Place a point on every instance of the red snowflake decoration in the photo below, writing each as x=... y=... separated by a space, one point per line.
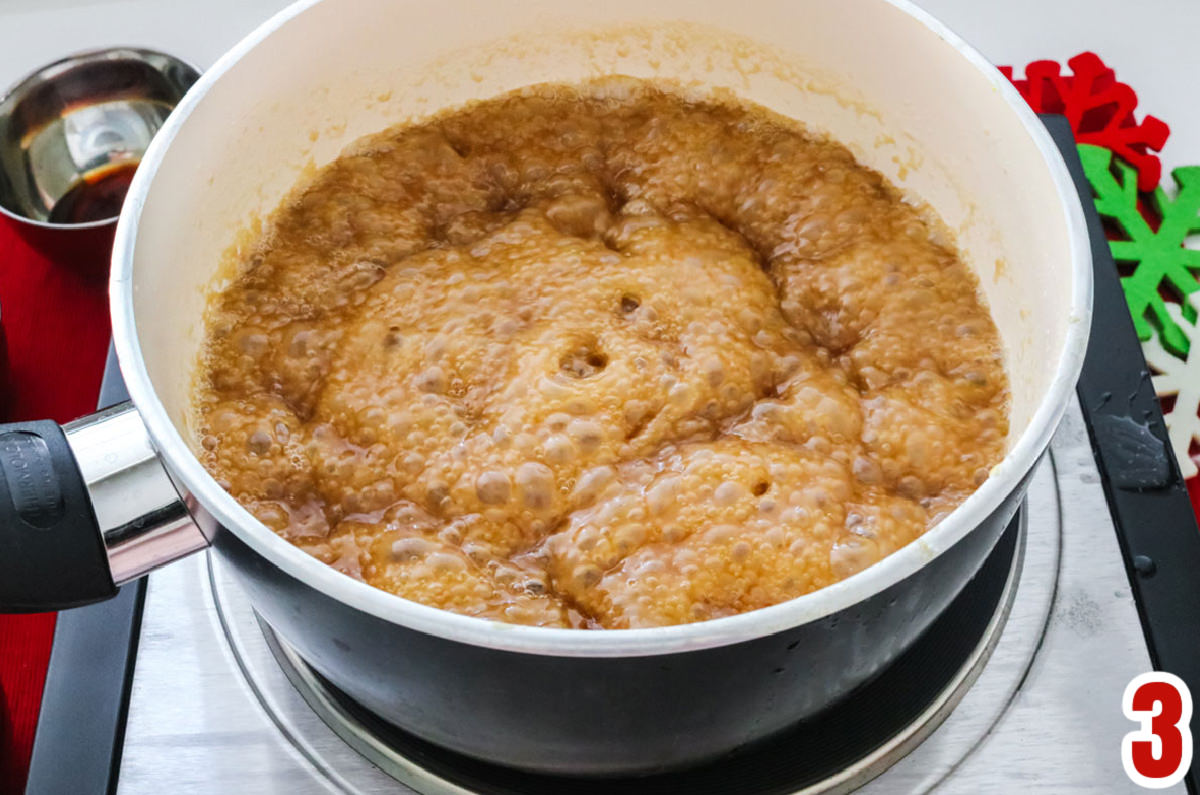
x=1099 y=108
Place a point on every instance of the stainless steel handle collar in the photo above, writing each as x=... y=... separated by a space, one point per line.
x=143 y=521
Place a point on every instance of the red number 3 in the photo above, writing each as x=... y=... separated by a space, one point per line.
x=1159 y=754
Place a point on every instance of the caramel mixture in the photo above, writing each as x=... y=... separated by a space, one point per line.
x=601 y=357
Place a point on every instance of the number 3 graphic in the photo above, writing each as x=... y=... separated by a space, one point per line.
x=1158 y=754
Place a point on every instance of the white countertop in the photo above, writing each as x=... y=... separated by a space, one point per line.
x=1152 y=44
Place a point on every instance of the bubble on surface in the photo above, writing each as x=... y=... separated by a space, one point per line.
x=493 y=488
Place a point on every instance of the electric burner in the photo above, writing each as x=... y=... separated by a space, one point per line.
x=177 y=686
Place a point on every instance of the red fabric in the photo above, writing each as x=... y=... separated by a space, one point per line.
x=55 y=319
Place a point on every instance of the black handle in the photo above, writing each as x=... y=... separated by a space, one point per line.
x=52 y=555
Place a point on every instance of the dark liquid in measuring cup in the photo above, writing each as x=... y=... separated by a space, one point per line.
x=95 y=197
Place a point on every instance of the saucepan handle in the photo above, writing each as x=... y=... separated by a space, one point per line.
x=84 y=507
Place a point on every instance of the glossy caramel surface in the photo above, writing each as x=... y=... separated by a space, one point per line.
x=600 y=357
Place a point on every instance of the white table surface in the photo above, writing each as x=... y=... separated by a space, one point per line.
x=1153 y=44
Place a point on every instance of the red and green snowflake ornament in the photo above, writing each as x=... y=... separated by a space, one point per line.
x=1100 y=109
x=1149 y=227
x=1118 y=156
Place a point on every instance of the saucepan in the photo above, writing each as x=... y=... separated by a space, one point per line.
x=107 y=498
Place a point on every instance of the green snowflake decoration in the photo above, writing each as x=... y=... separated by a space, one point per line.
x=1159 y=257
